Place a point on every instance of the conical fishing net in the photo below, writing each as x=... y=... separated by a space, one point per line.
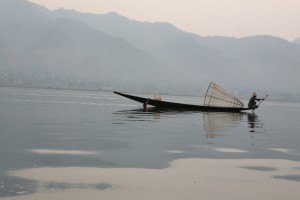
x=218 y=97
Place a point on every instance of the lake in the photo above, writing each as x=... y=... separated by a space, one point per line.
x=63 y=144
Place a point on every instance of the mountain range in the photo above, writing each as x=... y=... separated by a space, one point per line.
x=72 y=50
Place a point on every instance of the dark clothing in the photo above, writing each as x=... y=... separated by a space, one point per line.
x=252 y=102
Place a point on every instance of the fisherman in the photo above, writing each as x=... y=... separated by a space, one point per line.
x=252 y=101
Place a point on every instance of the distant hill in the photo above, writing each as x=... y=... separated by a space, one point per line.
x=69 y=49
x=65 y=53
x=297 y=40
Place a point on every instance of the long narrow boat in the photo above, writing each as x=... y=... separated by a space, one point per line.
x=181 y=106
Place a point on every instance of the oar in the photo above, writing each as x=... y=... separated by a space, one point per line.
x=263 y=99
x=260 y=102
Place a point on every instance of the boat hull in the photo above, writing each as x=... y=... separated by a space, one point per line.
x=179 y=106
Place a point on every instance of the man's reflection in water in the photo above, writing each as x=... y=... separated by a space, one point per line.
x=252 y=120
x=258 y=132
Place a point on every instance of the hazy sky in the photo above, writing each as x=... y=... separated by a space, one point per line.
x=236 y=18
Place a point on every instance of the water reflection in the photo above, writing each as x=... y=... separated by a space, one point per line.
x=254 y=123
x=14 y=186
x=290 y=177
x=150 y=114
x=216 y=122
x=252 y=118
x=259 y=168
x=64 y=186
x=136 y=115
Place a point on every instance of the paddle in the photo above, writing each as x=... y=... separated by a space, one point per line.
x=260 y=102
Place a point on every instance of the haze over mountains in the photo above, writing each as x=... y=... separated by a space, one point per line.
x=73 y=50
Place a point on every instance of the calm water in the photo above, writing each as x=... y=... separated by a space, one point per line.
x=59 y=128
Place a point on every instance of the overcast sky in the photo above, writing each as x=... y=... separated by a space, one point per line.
x=238 y=18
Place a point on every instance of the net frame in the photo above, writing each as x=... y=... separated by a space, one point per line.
x=218 y=97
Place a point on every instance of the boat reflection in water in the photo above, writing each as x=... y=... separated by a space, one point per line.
x=218 y=122
x=139 y=114
x=215 y=124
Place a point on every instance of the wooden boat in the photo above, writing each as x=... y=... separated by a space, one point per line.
x=181 y=106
